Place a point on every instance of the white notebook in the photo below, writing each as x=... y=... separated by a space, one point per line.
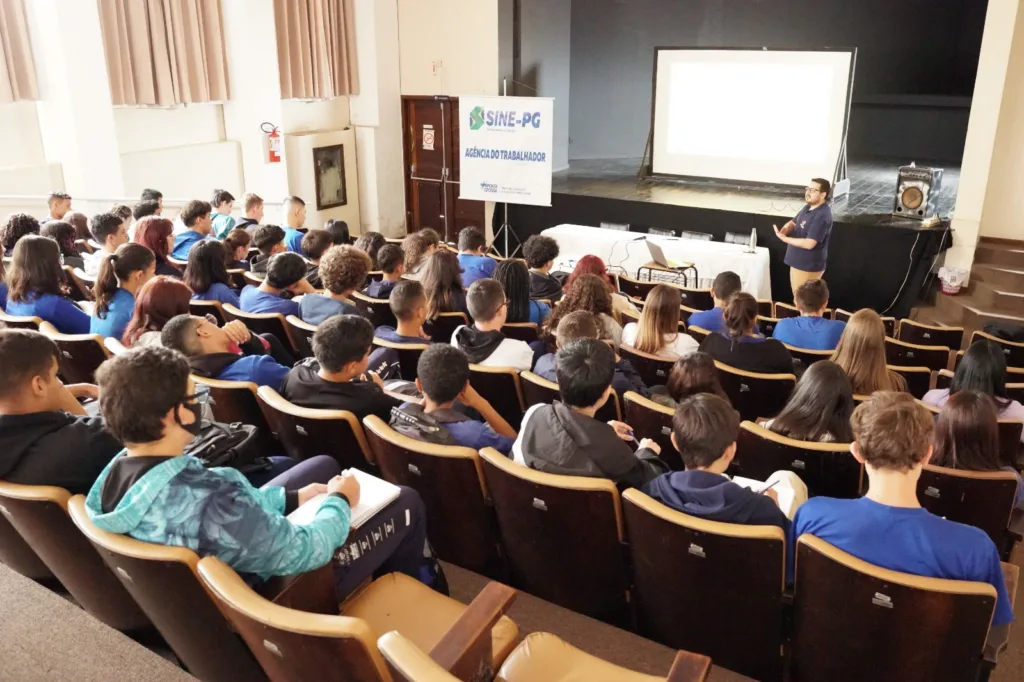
x=784 y=494
x=374 y=494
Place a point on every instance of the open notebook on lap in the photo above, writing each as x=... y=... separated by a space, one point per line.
x=374 y=494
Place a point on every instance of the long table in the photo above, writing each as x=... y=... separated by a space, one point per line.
x=621 y=252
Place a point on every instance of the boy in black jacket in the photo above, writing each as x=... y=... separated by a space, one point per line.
x=540 y=253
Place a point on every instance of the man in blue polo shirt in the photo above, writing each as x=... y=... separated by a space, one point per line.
x=285 y=272
x=196 y=218
x=807 y=235
x=811 y=330
x=294 y=218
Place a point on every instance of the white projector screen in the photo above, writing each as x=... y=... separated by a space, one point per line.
x=759 y=116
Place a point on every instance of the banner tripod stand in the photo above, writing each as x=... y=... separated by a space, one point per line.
x=505 y=227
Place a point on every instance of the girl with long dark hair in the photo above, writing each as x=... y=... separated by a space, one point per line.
x=37 y=287
x=157 y=235
x=515 y=280
x=207 y=276
x=442 y=283
x=820 y=407
x=64 y=234
x=121 y=275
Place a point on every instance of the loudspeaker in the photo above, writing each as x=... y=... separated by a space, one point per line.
x=917 y=191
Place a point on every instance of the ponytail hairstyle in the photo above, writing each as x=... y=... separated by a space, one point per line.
x=116 y=268
x=235 y=239
x=659 y=322
x=740 y=314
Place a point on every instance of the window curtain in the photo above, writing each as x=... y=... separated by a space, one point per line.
x=316 y=48
x=164 y=52
x=17 y=70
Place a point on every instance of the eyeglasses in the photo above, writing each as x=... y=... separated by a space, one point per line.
x=812 y=189
x=201 y=396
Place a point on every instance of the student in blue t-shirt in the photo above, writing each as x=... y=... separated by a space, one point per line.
x=810 y=330
x=213 y=352
x=807 y=235
x=342 y=271
x=121 y=276
x=475 y=265
x=725 y=285
x=207 y=274
x=286 y=272
x=294 y=218
x=887 y=527
x=408 y=302
x=442 y=375
x=198 y=223
x=37 y=286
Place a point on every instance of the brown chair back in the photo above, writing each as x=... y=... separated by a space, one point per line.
x=654 y=421
x=635 y=288
x=21 y=321
x=16 y=555
x=408 y=356
x=698 y=299
x=784 y=310
x=164 y=583
x=79 y=283
x=40 y=515
x=741 y=571
x=521 y=331
x=918 y=379
x=983 y=499
x=808 y=356
x=755 y=395
x=81 y=355
x=767 y=325
x=765 y=307
x=238 y=280
x=501 y=388
x=252 y=278
x=1014 y=352
x=408 y=663
x=698 y=333
x=911 y=355
x=848 y=615
x=462 y=527
x=929 y=335
x=654 y=369
x=442 y=327
x=305 y=432
x=888 y=322
x=235 y=401
x=944 y=378
x=302 y=334
x=262 y=323
x=539 y=391
x=204 y=308
x=377 y=309
x=684 y=313
x=828 y=469
x=562 y=537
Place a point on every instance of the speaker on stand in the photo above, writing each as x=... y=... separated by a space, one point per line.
x=917 y=192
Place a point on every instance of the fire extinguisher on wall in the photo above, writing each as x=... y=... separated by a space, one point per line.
x=271 y=143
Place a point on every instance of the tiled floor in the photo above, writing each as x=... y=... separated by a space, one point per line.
x=872 y=190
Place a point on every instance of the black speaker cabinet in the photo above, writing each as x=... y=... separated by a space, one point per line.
x=917 y=192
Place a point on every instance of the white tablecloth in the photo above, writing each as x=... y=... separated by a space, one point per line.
x=621 y=254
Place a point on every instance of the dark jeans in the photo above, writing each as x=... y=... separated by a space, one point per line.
x=278 y=466
x=278 y=351
x=295 y=475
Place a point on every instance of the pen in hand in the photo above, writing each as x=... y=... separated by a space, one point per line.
x=767 y=488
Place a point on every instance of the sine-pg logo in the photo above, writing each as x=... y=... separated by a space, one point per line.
x=493 y=118
x=476 y=118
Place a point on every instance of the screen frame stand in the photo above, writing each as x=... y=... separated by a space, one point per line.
x=505 y=227
x=841 y=178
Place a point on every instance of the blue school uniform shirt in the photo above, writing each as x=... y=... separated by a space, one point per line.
x=475 y=267
x=812 y=333
x=218 y=292
x=183 y=243
x=293 y=239
x=316 y=308
x=539 y=311
x=67 y=317
x=262 y=370
x=117 y=317
x=711 y=320
x=908 y=540
x=390 y=335
x=813 y=224
x=252 y=300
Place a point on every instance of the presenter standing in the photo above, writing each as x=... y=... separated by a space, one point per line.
x=807 y=235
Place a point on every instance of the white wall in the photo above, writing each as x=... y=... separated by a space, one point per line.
x=302 y=181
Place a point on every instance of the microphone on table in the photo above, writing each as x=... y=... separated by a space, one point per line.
x=639 y=239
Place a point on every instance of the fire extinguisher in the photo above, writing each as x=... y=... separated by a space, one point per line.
x=271 y=143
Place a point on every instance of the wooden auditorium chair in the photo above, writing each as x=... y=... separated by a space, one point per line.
x=767 y=325
x=1013 y=374
x=828 y=469
x=312 y=640
x=684 y=314
x=648 y=419
x=755 y=395
x=904 y=354
x=302 y=334
x=808 y=356
x=765 y=307
x=635 y=288
x=710 y=587
x=784 y=310
x=235 y=401
x=263 y=323
x=539 y=391
x=114 y=346
x=408 y=356
x=654 y=369
x=501 y=388
x=1014 y=352
x=698 y=299
x=81 y=355
x=562 y=537
x=16 y=554
x=237 y=277
x=918 y=379
x=450 y=479
x=442 y=327
x=888 y=322
x=22 y=321
x=204 y=308
x=377 y=309
x=632 y=315
x=521 y=331
x=251 y=278
x=929 y=335
x=80 y=284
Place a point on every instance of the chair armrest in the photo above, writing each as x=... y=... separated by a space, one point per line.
x=689 y=667
x=312 y=591
x=465 y=649
x=999 y=636
x=1015 y=529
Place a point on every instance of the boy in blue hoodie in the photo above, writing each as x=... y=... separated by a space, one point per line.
x=154 y=493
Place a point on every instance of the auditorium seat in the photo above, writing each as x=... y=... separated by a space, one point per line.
x=767 y=325
x=80 y=284
x=164 y=582
x=81 y=356
x=562 y=537
x=204 y=308
x=373 y=276
x=765 y=307
x=306 y=432
x=460 y=519
x=828 y=469
x=698 y=299
x=635 y=288
x=648 y=419
x=1014 y=391
x=784 y=310
x=1009 y=438
x=539 y=391
x=929 y=335
x=654 y=369
x=263 y=323
x=888 y=322
x=21 y=321
x=235 y=401
x=1014 y=352
x=541 y=657
x=698 y=333
x=501 y=388
x=904 y=354
x=847 y=615
x=685 y=312
x=16 y=555
x=302 y=334
x=522 y=331
x=442 y=327
x=632 y=315
x=251 y=278
x=408 y=355
x=709 y=587
x=918 y=379
x=237 y=276
x=377 y=309
x=755 y=395
x=808 y=356
x=40 y=515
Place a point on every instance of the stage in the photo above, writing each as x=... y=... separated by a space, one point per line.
x=875 y=260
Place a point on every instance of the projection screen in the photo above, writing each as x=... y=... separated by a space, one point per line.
x=762 y=116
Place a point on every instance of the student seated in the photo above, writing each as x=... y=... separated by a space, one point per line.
x=515 y=280
x=540 y=253
x=593 y=265
x=564 y=437
x=409 y=305
x=442 y=282
x=819 y=409
x=46 y=437
x=593 y=295
x=338 y=231
x=36 y=286
x=144 y=209
x=482 y=342
x=887 y=527
x=967 y=437
x=861 y=354
x=221 y=221
x=158 y=301
x=252 y=204
x=583 y=325
x=722 y=289
x=108 y=231
x=314 y=245
x=294 y=211
x=982 y=369
x=442 y=375
x=389 y=260
x=475 y=265
x=121 y=277
x=418 y=247
x=17 y=226
x=211 y=351
x=59 y=204
x=658 y=331
x=269 y=239
x=704 y=431
x=157 y=235
x=64 y=234
x=741 y=346
x=198 y=224
x=207 y=275
x=286 y=272
x=236 y=249
x=342 y=271
x=338 y=379
x=371 y=243
x=811 y=330
x=692 y=374
x=155 y=493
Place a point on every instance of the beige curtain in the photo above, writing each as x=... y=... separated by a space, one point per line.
x=17 y=70
x=164 y=52
x=316 y=48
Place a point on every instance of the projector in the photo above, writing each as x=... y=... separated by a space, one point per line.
x=917 y=190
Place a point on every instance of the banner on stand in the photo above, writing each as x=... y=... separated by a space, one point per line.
x=506 y=149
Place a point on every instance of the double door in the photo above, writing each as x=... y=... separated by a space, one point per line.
x=431 y=143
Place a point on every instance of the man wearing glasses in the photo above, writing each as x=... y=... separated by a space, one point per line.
x=807 y=235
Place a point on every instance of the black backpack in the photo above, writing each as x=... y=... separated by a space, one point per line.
x=415 y=423
x=1006 y=332
x=234 y=445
